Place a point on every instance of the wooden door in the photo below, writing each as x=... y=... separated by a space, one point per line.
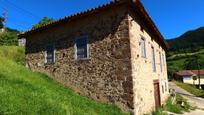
x=157 y=95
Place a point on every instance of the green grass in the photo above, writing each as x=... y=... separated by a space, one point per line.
x=13 y=53
x=30 y=93
x=186 y=54
x=175 y=107
x=176 y=62
x=191 y=89
x=159 y=111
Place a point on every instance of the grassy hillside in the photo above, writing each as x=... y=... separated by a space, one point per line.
x=29 y=93
x=176 y=62
x=187 y=46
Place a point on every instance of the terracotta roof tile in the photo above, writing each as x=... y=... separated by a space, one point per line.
x=137 y=3
x=68 y=17
x=190 y=72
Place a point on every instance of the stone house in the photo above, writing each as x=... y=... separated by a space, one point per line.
x=113 y=53
x=21 y=42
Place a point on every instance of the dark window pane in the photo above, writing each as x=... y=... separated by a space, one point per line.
x=142 y=48
x=160 y=62
x=153 y=60
x=50 y=54
x=81 y=45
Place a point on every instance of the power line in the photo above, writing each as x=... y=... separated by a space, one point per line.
x=3 y=8
x=20 y=21
x=19 y=24
x=5 y=16
x=31 y=14
x=21 y=9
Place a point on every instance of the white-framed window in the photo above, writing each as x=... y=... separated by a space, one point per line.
x=50 y=54
x=164 y=60
x=153 y=59
x=81 y=48
x=161 y=62
x=162 y=89
x=166 y=86
x=143 y=48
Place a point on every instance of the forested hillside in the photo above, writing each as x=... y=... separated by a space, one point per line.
x=190 y=41
x=186 y=52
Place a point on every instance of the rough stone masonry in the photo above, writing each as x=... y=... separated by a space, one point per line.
x=115 y=72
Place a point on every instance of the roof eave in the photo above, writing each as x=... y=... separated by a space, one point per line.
x=95 y=10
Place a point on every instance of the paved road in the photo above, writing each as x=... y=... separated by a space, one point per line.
x=195 y=101
x=196 y=112
x=199 y=102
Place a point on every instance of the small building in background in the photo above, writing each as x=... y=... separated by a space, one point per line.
x=2 y=30
x=190 y=76
x=21 y=42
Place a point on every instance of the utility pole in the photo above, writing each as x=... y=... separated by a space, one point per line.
x=193 y=63
x=5 y=14
x=199 y=84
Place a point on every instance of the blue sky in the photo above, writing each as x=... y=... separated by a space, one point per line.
x=172 y=17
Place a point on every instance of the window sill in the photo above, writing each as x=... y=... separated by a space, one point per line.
x=144 y=57
x=49 y=63
x=83 y=59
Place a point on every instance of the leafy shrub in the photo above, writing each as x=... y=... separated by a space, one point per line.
x=8 y=38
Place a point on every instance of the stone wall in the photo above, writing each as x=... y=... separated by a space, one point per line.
x=142 y=72
x=106 y=75
x=115 y=71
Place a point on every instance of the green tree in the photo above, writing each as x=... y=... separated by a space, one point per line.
x=8 y=38
x=194 y=63
x=1 y=22
x=171 y=71
x=43 y=21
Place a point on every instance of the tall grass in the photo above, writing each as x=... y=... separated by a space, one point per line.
x=13 y=53
x=175 y=107
x=29 y=93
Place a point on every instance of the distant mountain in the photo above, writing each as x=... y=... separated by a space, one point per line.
x=183 y=48
x=190 y=40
